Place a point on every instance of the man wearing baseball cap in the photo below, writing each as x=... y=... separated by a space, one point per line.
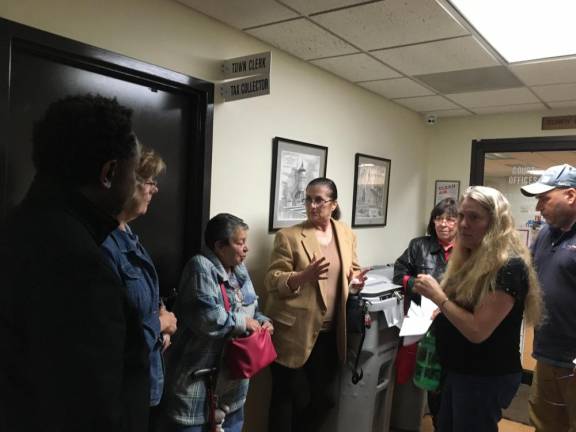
x=553 y=395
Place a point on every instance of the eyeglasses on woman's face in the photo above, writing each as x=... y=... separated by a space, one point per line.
x=448 y=220
x=316 y=201
x=148 y=182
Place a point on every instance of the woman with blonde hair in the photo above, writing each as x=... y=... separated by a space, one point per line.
x=487 y=289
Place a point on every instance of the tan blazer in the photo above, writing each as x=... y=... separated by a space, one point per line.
x=298 y=315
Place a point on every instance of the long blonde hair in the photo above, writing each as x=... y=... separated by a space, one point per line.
x=472 y=274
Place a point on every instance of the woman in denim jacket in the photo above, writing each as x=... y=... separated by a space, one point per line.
x=135 y=268
x=206 y=324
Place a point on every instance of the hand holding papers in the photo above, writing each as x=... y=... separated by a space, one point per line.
x=417 y=321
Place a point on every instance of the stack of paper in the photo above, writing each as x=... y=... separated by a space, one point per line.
x=417 y=321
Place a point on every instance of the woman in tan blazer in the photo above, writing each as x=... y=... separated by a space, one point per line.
x=311 y=270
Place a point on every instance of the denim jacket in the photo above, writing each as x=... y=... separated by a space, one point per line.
x=134 y=267
x=204 y=325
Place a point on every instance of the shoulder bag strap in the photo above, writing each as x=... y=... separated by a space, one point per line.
x=225 y=297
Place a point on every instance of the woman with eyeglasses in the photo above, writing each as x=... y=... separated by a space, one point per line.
x=312 y=267
x=135 y=268
x=425 y=255
x=489 y=286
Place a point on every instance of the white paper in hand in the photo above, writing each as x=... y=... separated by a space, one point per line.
x=418 y=320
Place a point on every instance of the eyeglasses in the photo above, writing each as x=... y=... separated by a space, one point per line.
x=316 y=202
x=448 y=220
x=152 y=183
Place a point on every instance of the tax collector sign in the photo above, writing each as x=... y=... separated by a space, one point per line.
x=255 y=67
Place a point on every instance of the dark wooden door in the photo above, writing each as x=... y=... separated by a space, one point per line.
x=168 y=116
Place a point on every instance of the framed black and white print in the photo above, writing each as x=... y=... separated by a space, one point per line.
x=294 y=165
x=371 y=185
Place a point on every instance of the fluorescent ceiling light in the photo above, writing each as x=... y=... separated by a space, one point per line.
x=523 y=30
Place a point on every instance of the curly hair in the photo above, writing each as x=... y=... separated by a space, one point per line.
x=78 y=134
x=471 y=274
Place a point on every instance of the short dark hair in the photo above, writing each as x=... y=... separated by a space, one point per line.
x=447 y=206
x=78 y=134
x=323 y=181
x=221 y=228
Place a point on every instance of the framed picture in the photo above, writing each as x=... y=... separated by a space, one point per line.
x=371 y=184
x=294 y=164
x=446 y=189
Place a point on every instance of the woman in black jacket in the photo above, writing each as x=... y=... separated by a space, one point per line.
x=425 y=255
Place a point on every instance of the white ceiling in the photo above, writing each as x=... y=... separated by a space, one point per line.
x=419 y=53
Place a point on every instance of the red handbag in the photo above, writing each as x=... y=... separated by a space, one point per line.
x=248 y=355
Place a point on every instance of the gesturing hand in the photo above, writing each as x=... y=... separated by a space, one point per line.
x=316 y=270
x=357 y=282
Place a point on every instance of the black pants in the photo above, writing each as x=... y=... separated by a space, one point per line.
x=303 y=398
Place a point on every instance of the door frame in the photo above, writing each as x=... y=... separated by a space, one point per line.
x=510 y=145
x=15 y=36
x=504 y=145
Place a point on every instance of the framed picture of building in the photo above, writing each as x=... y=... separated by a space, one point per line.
x=371 y=184
x=294 y=164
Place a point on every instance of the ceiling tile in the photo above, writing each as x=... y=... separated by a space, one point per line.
x=492 y=98
x=390 y=23
x=547 y=72
x=555 y=93
x=488 y=78
x=356 y=67
x=426 y=103
x=441 y=56
x=450 y=113
x=510 y=108
x=397 y=88
x=564 y=104
x=312 y=6
x=242 y=14
x=303 y=39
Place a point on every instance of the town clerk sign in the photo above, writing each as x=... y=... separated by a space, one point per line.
x=255 y=67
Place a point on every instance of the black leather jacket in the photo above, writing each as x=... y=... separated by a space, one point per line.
x=423 y=255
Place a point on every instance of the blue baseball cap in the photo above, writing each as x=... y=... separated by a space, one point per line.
x=559 y=176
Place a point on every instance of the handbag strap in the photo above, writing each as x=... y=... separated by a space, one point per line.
x=225 y=297
x=357 y=372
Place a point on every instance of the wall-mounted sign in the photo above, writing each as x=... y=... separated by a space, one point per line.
x=245 y=88
x=559 y=122
x=256 y=64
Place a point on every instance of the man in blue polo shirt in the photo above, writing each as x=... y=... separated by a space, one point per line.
x=553 y=396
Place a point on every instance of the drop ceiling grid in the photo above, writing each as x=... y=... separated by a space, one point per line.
x=397 y=88
x=390 y=23
x=356 y=67
x=386 y=45
x=440 y=56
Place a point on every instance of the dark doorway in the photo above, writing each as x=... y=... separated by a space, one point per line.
x=172 y=114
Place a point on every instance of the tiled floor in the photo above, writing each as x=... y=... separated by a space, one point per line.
x=504 y=426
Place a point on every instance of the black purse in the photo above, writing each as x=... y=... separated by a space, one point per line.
x=357 y=322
